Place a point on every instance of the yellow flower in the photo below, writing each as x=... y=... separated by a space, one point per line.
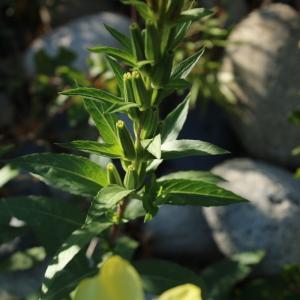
x=118 y=280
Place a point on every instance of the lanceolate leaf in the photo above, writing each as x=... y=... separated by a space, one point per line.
x=183 y=69
x=109 y=150
x=73 y=174
x=105 y=123
x=192 y=175
x=174 y=122
x=94 y=94
x=71 y=247
x=195 y=192
x=107 y=198
x=51 y=219
x=116 y=53
x=116 y=68
x=183 y=148
x=159 y=276
x=142 y=8
x=120 y=37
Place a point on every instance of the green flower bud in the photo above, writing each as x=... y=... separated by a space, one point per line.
x=150 y=122
x=152 y=43
x=137 y=42
x=125 y=140
x=141 y=95
x=113 y=176
x=128 y=92
x=131 y=178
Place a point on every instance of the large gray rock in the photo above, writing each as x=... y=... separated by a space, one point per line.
x=181 y=232
x=270 y=222
x=264 y=68
x=77 y=36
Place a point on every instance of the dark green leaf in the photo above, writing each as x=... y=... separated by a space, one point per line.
x=116 y=68
x=114 y=108
x=107 y=198
x=195 y=192
x=116 y=53
x=192 y=175
x=177 y=84
x=174 y=122
x=183 y=69
x=120 y=37
x=221 y=277
x=112 y=151
x=94 y=94
x=71 y=247
x=294 y=117
x=51 y=219
x=73 y=174
x=159 y=276
x=143 y=9
x=183 y=148
x=105 y=123
x=5 y=149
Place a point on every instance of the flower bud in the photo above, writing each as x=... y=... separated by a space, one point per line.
x=137 y=42
x=150 y=122
x=152 y=44
x=125 y=140
x=131 y=178
x=141 y=95
x=113 y=176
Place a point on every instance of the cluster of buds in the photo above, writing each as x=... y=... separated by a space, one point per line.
x=135 y=90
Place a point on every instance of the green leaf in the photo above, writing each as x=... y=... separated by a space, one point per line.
x=143 y=9
x=181 y=30
x=221 y=277
x=134 y=210
x=153 y=146
x=112 y=151
x=71 y=247
x=194 y=14
x=159 y=276
x=73 y=174
x=114 y=108
x=174 y=122
x=120 y=37
x=105 y=123
x=128 y=58
x=177 y=84
x=117 y=70
x=23 y=260
x=183 y=69
x=294 y=117
x=192 y=175
x=7 y=173
x=183 y=148
x=107 y=198
x=94 y=94
x=51 y=219
x=195 y=192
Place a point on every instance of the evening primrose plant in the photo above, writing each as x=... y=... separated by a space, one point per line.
x=135 y=139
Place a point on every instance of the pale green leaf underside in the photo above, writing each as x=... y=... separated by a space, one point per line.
x=74 y=174
x=189 y=192
x=7 y=173
x=182 y=148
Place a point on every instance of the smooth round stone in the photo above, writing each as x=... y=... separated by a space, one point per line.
x=269 y=222
x=78 y=36
x=262 y=69
x=181 y=232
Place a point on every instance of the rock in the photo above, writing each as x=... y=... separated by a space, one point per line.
x=265 y=73
x=270 y=222
x=6 y=112
x=180 y=232
x=77 y=36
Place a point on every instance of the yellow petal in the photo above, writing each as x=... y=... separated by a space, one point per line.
x=121 y=280
x=91 y=289
x=182 y=292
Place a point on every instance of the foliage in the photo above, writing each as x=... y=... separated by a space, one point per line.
x=134 y=135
